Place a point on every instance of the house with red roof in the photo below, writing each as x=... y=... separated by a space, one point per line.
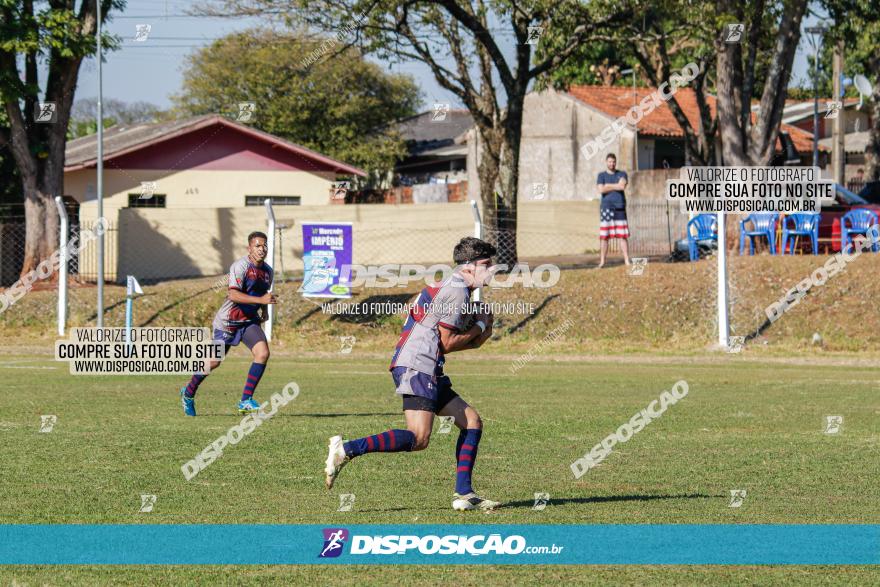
x=201 y=162
x=557 y=125
x=181 y=196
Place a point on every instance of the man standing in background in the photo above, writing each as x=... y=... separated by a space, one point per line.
x=612 y=211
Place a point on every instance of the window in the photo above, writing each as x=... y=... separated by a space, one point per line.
x=135 y=201
x=276 y=200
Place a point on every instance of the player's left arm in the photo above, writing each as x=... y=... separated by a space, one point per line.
x=452 y=340
x=264 y=308
x=624 y=181
x=481 y=339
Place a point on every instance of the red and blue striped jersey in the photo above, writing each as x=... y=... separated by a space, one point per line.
x=444 y=304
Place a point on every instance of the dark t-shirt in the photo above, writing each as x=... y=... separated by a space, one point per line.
x=615 y=200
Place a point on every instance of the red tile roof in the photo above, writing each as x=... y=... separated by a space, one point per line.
x=615 y=101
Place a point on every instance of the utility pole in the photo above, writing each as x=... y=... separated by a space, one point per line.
x=838 y=133
x=816 y=33
x=100 y=176
x=635 y=165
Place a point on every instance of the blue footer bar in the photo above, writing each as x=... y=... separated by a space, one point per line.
x=669 y=544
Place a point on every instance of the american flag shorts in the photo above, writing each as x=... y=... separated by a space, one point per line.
x=612 y=224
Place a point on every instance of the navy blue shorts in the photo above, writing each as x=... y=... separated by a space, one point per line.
x=420 y=391
x=250 y=334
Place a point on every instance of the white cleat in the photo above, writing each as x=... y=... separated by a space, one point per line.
x=472 y=501
x=336 y=459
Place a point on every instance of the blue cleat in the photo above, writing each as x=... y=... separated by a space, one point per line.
x=188 y=403
x=248 y=406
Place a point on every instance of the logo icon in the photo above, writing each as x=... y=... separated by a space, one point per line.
x=319 y=271
x=734 y=33
x=737 y=496
x=539 y=191
x=334 y=540
x=346 y=502
x=735 y=344
x=440 y=112
x=832 y=109
x=147 y=503
x=148 y=188
x=347 y=344
x=833 y=424
x=541 y=501
x=141 y=32
x=47 y=423
x=535 y=33
x=446 y=423
x=246 y=111
x=44 y=112
x=637 y=267
x=340 y=189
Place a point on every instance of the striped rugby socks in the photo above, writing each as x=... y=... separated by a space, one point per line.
x=389 y=441
x=193 y=384
x=253 y=378
x=466 y=455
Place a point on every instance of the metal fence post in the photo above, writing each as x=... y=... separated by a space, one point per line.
x=478 y=233
x=63 y=230
x=723 y=324
x=270 y=254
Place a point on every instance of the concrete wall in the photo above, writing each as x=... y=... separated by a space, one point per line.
x=156 y=244
x=198 y=189
x=650 y=184
x=555 y=127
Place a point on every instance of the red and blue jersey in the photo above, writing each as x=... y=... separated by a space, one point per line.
x=249 y=279
x=443 y=304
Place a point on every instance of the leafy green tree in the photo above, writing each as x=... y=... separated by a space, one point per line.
x=332 y=105
x=459 y=42
x=55 y=35
x=739 y=75
x=10 y=187
x=858 y=23
x=663 y=36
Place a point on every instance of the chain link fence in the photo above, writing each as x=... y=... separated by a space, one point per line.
x=82 y=263
x=158 y=245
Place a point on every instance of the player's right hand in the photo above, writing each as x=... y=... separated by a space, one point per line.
x=268 y=298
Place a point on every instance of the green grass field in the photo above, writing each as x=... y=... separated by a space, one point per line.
x=745 y=424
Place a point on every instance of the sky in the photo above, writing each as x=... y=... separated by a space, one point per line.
x=151 y=71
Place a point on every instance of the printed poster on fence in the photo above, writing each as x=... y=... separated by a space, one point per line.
x=327 y=254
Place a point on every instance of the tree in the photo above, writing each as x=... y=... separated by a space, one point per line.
x=597 y=63
x=84 y=115
x=465 y=31
x=662 y=37
x=744 y=141
x=332 y=106
x=56 y=35
x=858 y=22
x=10 y=188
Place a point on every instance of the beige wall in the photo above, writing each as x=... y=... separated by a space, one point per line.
x=555 y=127
x=195 y=188
x=650 y=184
x=186 y=242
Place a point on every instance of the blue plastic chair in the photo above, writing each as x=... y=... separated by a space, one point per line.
x=763 y=225
x=707 y=230
x=860 y=220
x=800 y=224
